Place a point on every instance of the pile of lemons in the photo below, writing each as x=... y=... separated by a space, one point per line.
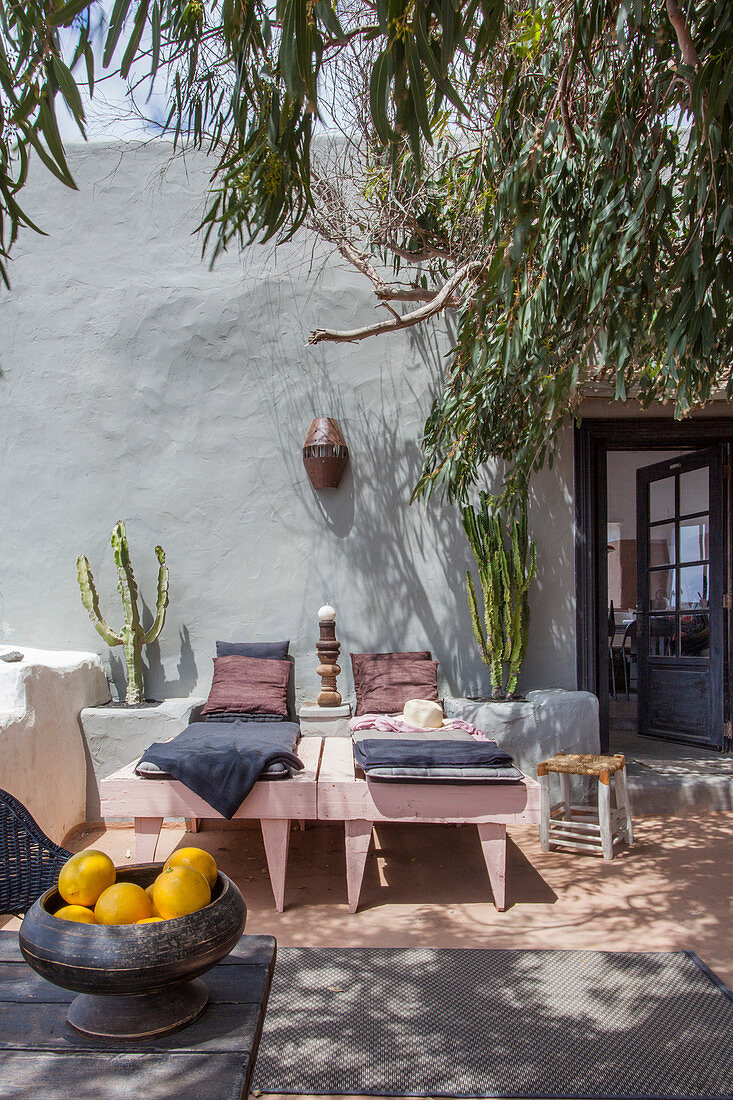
x=88 y=884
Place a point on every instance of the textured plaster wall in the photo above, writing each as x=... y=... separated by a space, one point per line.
x=138 y=384
x=42 y=750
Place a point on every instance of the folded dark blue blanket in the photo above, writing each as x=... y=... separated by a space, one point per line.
x=221 y=762
x=374 y=752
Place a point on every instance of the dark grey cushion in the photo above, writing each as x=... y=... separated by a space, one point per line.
x=234 y=716
x=274 y=651
x=146 y=769
x=464 y=774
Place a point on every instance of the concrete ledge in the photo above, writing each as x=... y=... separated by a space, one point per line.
x=115 y=735
x=548 y=721
x=41 y=745
x=318 y=721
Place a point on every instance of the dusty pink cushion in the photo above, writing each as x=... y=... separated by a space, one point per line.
x=385 y=681
x=249 y=685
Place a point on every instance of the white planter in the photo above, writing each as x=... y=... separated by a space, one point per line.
x=41 y=747
x=318 y=721
x=549 y=721
x=116 y=735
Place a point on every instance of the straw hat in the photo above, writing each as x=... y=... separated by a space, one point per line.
x=424 y=713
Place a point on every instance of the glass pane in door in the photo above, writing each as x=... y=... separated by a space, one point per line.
x=695 y=538
x=661 y=590
x=662 y=635
x=662 y=548
x=695 y=634
x=661 y=499
x=693 y=587
x=694 y=491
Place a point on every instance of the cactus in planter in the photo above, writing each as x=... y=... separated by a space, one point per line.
x=131 y=635
x=506 y=559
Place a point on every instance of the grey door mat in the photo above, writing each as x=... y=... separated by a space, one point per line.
x=496 y=1023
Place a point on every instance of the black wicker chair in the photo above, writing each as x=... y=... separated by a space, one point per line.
x=29 y=861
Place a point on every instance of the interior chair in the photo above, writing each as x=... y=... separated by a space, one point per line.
x=662 y=635
x=29 y=860
x=611 y=634
x=629 y=653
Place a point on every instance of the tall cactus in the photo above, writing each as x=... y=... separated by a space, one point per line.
x=506 y=559
x=131 y=635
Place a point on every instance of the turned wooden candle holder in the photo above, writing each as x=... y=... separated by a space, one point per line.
x=328 y=650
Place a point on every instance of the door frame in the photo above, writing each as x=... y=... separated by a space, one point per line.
x=593 y=439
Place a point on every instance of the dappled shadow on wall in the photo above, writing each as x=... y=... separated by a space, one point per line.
x=157 y=685
x=551 y=649
x=336 y=506
x=408 y=560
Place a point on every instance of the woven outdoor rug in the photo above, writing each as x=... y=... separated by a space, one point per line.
x=464 y=1022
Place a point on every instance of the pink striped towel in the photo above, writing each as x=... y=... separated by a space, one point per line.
x=387 y=723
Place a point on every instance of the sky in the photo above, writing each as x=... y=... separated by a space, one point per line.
x=113 y=113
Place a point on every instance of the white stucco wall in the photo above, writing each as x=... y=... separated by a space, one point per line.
x=42 y=750
x=137 y=384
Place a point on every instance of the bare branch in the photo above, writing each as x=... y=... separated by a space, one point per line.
x=359 y=261
x=390 y=293
x=684 y=38
x=385 y=291
x=431 y=253
x=469 y=272
x=565 y=110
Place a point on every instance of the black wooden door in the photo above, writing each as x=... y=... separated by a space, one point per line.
x=680 y=582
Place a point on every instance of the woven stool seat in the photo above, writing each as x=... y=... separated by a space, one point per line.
x=582 y=764
x=575 y=825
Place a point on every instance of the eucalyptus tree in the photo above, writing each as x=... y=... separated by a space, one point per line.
x=559 y=173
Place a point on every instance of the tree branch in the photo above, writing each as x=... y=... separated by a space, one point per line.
x=429 y=252
x=684 y=38
x=388 y=293
x=384 y=291
x=562 y=92
x=440 y=301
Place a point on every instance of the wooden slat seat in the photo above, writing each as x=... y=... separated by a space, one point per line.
x=274 y=802
x=344 y=794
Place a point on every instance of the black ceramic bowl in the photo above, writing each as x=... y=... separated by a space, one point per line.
x=134 y=981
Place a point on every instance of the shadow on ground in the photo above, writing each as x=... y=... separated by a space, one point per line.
x=427 y=885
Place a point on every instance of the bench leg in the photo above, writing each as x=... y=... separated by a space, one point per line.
x=604 y=816
x=544 y=812
x=565 y=794
x=358 y=839
x=193 y=824
x=147 y=831
x=622 y=802
x=276 y=837
x=493 y=845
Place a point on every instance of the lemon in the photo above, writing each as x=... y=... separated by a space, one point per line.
x=150 y=920
x=178 y=891
x=83 y=877
x=149 y=892
x=198 y=859
x=78 y=913
x=123 y=903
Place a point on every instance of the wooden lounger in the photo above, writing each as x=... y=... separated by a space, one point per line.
x=275 y=802
x=344 y=795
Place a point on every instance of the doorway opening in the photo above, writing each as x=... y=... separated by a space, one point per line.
x=665 y=585
x=654 y=580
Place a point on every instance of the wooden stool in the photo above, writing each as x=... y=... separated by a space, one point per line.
x=578 y=826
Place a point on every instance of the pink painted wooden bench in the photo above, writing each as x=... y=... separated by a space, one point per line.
x=275 y=802
x=345 y=795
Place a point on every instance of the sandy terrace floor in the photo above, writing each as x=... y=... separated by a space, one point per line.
x=427 y=885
